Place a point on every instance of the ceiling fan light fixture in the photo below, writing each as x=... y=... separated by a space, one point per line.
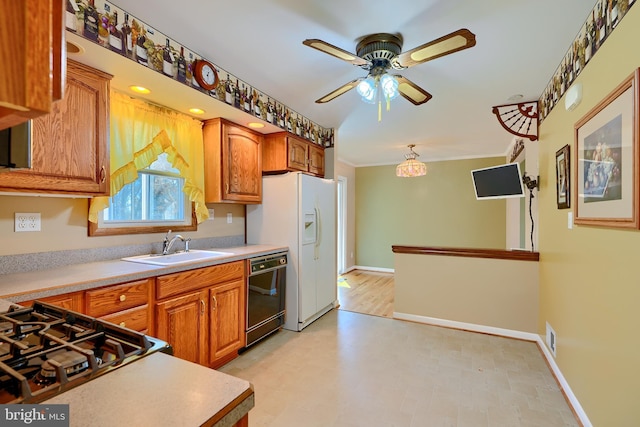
x=411 y=167
x=367 y=89
x=389 y=85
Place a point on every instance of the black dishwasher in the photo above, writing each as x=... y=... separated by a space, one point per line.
x=266 y=287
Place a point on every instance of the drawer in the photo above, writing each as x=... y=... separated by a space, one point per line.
x=134 y=318
x=100 y=302
x=180 y=283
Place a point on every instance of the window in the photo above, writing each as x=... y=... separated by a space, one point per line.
x=152 y=203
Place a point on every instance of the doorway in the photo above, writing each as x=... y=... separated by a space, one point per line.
x=342 y=224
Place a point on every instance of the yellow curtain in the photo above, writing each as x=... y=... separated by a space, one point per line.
x=139 y=133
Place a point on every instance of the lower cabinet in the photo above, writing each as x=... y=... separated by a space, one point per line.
x=183 y=323
x=72 y=301
x=201 y=313
x=227 y=322
x=126 y=304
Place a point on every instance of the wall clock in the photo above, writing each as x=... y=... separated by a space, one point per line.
x=205 y=74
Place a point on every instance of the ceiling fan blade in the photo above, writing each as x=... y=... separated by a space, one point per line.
x=335 y=51
x=342 y=89
x=412 y=92
x=458 y=40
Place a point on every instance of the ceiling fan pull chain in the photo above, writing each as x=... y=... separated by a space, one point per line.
x=379 y=110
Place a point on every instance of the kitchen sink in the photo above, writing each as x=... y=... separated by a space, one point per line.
x=178 y=257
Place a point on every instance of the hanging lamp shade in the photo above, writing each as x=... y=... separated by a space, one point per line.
x=411 y=167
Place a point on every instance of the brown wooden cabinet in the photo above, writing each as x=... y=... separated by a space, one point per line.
x=201 y=312
x=232 y=162
x=127 y=304
x=70 y=146
x=284 y=151
x=184 y=323
x=70 y=301
x=32 y=42
x=227 y=321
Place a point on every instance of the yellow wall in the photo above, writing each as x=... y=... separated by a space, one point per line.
x=439 y=209
x=64 y=226
x=589 y=277
x=498 y=293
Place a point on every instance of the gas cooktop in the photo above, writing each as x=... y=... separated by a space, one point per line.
x=46 y=350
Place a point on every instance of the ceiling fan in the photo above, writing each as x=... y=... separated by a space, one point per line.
x=377 y=53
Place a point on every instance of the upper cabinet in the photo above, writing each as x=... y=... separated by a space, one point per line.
x=232 y=163
x=32 y=42
x=284 y=151
x=70 y=146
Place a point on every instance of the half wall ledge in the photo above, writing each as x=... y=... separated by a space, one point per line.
x=516 y=254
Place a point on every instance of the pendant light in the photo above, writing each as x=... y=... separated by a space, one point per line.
x=411 y=167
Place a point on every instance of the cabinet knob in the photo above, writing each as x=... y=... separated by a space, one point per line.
x=123 y=324
x=123 y=298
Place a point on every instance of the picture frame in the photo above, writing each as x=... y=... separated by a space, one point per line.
x=563 y=178
x=605 y=169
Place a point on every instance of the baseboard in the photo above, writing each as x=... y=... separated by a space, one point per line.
x=573 y=400
x=378 y=269
x=471 y=327
x=509 y=333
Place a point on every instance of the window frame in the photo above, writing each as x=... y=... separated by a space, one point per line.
x=95 y=229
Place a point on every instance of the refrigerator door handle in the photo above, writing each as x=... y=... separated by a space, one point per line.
x=318 y=230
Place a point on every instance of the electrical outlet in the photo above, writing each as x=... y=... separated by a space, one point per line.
x=211 y=216
x=27 y=222
x=229 y=218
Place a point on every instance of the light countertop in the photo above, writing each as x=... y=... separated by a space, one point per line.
x=159 y=390
x=43 y=283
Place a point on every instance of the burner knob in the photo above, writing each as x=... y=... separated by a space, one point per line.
x=123 y=298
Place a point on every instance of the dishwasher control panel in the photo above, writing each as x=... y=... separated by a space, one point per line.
x=268 y=262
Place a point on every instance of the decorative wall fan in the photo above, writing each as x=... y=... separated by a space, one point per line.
x=378 y=53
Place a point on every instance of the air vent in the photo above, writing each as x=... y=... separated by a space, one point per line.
x=551 y=339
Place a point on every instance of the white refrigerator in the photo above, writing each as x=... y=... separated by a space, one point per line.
x=299 y=211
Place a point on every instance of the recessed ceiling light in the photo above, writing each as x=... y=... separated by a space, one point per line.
x=74 y=48
x=255 y=125
x=516 y=97
x=196 y=110
x=140 y=89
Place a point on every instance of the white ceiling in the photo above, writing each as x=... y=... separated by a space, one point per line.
x=519 y=45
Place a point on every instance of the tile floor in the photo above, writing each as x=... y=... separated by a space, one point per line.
x=349 y=369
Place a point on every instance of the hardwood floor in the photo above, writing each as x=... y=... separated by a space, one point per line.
x=366 y=292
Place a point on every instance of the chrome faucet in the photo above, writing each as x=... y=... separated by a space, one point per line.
x=167 y=244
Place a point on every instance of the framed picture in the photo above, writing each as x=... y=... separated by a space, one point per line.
x=563 y=183
x=606 y=162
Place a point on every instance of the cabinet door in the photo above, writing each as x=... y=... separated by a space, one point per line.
x=70 y=152
x=232 y=163
x=32 y=70
x=298 y=154
x=242 y=165
x=183 y=323
x=228 y=319
x=316 y=160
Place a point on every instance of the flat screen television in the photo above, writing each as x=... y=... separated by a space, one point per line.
x=498 y=182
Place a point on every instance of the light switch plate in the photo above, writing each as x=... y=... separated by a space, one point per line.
x=229 y=218
x=211 y=216
x=569 y=220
